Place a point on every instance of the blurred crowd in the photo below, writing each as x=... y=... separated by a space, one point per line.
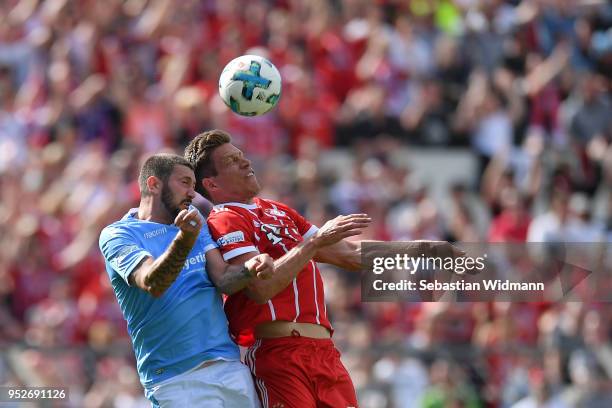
x=88 y=88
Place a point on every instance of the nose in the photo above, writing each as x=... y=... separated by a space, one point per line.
x=246 y=163
x=191 y=193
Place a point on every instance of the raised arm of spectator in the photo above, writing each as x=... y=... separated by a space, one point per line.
x=491 y=179
x=547 y=70
x=469 y=110
x=153 y=17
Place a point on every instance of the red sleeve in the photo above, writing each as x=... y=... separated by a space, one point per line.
x=232 y=232
x=305 y=228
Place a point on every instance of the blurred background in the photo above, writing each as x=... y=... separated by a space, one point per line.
x=462 y=120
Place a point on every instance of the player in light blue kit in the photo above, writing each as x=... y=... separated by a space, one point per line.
x=167 y=274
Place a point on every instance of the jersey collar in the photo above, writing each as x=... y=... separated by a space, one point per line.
x=232 y=204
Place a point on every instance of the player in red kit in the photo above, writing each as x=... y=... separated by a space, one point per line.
x=293 y=359
x=283 y=320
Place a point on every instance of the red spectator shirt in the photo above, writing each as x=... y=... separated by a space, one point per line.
x=267 y=227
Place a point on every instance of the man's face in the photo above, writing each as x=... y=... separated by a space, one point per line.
x=235 y=179
x=177 y=193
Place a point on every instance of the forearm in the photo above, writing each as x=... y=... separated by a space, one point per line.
x=164 y=271
x=234 y=279
x=344 y=254
x=286 y=269
x=348 y=254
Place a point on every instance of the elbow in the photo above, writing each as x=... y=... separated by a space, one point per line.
x=143 y=280
x=353 y=267
x=352 y=262
x=156 y=292
x=228 y=290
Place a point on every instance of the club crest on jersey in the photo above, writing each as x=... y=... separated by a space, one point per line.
x=122 y=254
x=231 y=238
x=275 y=212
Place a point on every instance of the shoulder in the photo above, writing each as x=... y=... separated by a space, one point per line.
x=117 y=238
x=224 y=214
x=116 y=229
x=228 y=222
x=265 y=202
x=275 y=207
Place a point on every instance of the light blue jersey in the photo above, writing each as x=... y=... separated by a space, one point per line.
x=183 y=327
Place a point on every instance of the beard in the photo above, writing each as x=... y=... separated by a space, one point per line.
x=167 y=199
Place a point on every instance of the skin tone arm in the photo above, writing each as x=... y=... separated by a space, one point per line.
x=344 y=254
x=287 y=267
x=347 y=254
x=230 y=279
x=156 y=276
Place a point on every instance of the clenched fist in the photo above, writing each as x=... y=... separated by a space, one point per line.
x=261 y=266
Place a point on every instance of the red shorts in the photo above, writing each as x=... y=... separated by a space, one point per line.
x=300 y=372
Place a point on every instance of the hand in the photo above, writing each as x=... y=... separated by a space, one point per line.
x=189 y=222
x=341 y=227
x=261 y=266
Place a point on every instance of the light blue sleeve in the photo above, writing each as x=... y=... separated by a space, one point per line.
x=206 y=238
x=207 y=241
x=121 y=251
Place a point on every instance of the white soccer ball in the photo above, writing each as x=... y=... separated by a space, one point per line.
x=250 y=85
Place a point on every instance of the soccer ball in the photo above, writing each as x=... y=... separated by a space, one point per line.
x=250 y=85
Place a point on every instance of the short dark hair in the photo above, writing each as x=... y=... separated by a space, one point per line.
x=199 y=153
x=161 y=166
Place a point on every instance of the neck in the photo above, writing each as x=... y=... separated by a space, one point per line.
x=153 y=210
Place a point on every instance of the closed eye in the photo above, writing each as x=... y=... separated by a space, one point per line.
x=188 y=182
x=232 y=159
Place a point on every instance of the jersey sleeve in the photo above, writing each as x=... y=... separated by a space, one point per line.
x=232 y=232
x=305 y=228
x=121 y=251
x=207 y=240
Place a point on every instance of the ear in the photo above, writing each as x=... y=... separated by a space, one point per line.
x=154 y=185
x=209 y=184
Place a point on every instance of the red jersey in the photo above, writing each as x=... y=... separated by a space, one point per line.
x=268 y=227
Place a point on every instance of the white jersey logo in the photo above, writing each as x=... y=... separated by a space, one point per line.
x=155 y=233
x=275 y=212
x=231 y=238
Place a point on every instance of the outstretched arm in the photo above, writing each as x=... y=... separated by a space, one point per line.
x=288 y=266
x=347 y=254
x=344 y=254
x=286 y=269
